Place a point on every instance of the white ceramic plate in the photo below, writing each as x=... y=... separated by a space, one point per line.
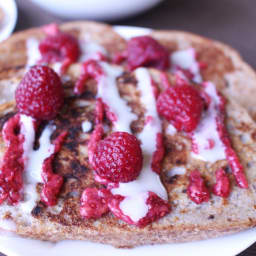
x=10 y=9
x=223 y=246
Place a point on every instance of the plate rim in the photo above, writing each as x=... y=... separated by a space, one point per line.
x=13 y=11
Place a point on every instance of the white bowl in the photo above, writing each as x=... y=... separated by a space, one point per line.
x=10 y=11
x=96 y=9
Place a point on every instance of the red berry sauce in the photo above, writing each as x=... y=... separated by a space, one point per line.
x=12 y=165
x=94 y=203
x=98 y=131
x=222 y=186
x=197 y=191
x=52 y=182
x=218 y=107
x=158 y=208
x=59 y=47
x=91 y=69
x=144 y=51
x=233 y=160
x=158 y=154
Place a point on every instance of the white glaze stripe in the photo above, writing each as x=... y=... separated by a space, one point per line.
x=91 y=50
x=33 y=160
x=33 y=53
x=108 y=92
x=186 y=59
x=207 y=131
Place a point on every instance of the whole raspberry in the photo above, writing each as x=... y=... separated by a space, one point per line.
x=58 y=47
x=40 y=93
x=118 y=158
x=147 y=52
x=182 y=106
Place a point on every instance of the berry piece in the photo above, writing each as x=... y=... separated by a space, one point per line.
x=182 y=106
x=52 y=181
x=118 y=158
x=40 y=93
x=94 y=203
x=197 y=191
x=231 y=155
x=147 y=52
x=91 y=69
x=12 y=163
x=61 y=47
x=222 y=186
x=158 y=154
x=158 y=208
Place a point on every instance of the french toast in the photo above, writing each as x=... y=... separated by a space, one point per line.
x=187 y=220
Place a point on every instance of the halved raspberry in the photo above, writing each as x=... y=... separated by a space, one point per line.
x=182 y=106
x=118 y=158
x=147 y=52
x=94 y=203
x=40 y=93
x=59 y=47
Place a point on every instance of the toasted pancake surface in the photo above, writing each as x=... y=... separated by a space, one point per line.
x=187 y=221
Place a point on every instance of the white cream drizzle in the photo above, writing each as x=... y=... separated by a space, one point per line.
x=176 y=170
x=186 y=59
x=33 y=53
x=91 y=50
x=207 y=130
x=108 y=92
x=136 y=192
x=57 y=67
x=171 y=130
x=33 y=160
x=86 y=126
